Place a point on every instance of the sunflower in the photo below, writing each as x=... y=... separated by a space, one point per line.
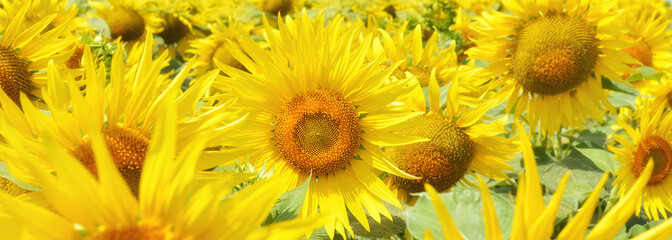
x=650 y=141
x=533 y=220
x=277 y=7
x=461 y=143
x=125 y=112
x=181 y=21
x=322 y=111
x=647 y=25
x=418 y=62
x=24 y=54
x=462 y=24
x=128 y=19
x=415 y=59
x=659 y=91
x=551 y=58
x=38 y=10
x=214 y=46
x=172 y=202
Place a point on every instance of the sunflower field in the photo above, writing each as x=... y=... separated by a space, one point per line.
x=335 y=119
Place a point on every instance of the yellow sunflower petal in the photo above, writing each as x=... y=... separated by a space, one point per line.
x=450 y=231
x=577 y=226
x=492 y=230
x=623 y=210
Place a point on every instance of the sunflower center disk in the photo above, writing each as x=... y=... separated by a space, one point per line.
x=141 y=232
x=553 y=54
x=657 y=149
x=317 y=132
x=14 y=75
x=128 y=147
x=173 y=31
x=125 y=23
x=441 y=162
x=641 y=51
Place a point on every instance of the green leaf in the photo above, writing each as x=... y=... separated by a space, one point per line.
x=636 y=230
x=321 y=234
x=575 y=192
x=4 y=173
x=289 y=204
x=643 y=227
x=634 y=77
x=618 y=87
x=466 y=208
x=385 y=228
x=593 y=137
x=619 y=99
x=603 y=159
x=581 y=168
x=622 y=234
x=657 y=76
x=646 y=71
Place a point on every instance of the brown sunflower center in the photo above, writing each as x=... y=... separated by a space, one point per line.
x=14 y=75
x=553 y=54
x=174 y=30
x=641 y=51
x=138 y=232
x=441 y=162
x=657 y=149
x=420 y=74
x=317 y=131
x=276 y=6
x=125 y=23
x=127 y=146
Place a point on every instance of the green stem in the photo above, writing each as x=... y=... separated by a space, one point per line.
x=538 y=139
x=557 y=146
x=610 y=199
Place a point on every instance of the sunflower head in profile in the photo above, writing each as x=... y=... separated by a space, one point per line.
x=322 y=111
x=650 y=142
x=127 y=19
x=419 y=59
x=551 y=56
x=214 y=46
x=416 y=60
x=172 y=203
x=461 y=142
x=25 y=52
